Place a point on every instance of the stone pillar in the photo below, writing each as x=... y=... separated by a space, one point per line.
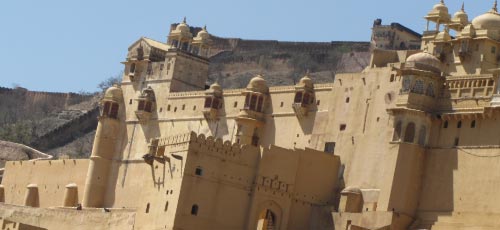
x=71 y=195
x=100 y=163
x=31 y=198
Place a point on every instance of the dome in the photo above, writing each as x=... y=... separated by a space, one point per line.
x=183 y=27
x=114 y=93
x=440 y=7
x=424 y=61
x=215 y=87
x=305 y=81
x=203 y=34
x=489 y=20
x=439 y=11
x=351 y=190
x=258 y=84
x=461 y=17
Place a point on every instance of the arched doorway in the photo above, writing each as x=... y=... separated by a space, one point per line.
x=267 y=220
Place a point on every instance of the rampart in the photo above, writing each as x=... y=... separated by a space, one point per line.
x=50 y=176
x=68 y=131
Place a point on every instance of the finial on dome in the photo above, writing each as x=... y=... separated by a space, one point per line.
x=463 y=6
x=184 y=20
x=442 y=1
x=494 y=9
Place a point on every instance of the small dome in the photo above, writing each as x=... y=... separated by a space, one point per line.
x=351 y=190
x=306 y=81
x=215 y=87
x=460 y=17
x=439 y=13
x=182 y=27
x=424 y=61
x=203 y=34
x=114 y=93
x=440 y=7
x=258 y=84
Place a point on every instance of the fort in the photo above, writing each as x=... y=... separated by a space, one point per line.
x=408 y=142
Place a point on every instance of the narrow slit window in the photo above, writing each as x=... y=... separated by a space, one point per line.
x=194 y=210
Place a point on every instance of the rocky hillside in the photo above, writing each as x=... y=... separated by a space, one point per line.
x=235 y=61
x=29 y=117
x=63 y=124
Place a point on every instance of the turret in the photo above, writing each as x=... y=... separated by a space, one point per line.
x=304 y=97
x=460 y=20
x=104 y=148
x=181 y=37
x=251 y=117
x=439 y=15
x=201 y=43
x=213 y=101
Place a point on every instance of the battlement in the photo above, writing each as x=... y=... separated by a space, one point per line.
x=216 y=145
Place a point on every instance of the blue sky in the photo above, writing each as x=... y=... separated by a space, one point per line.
x=71 y=45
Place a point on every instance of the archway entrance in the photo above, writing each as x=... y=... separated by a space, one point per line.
x=267 y=220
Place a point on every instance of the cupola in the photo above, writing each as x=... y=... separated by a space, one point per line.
x=304 y=97
x=489 y=20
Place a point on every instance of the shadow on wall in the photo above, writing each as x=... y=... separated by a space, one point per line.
x=437 y=192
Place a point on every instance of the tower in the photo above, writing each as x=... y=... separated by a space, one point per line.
x=103 y=149
x=187 y=58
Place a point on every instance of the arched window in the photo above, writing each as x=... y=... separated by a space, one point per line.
x=132 y=68
x=421 y=135
x=253 y=102
x=194 y=210
x=208 y=102
x=247 y=101
x=445 y=125
x=216 y=103
x=305 y=100
x=418 y=87
x=430 y=90
x=406 y=83
x=110 y=109
x=260 y=104
x=459 y=124
x=410 y=133
x=397 y=132
x=147 y=208
x=298 y=97
x=473 y=124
